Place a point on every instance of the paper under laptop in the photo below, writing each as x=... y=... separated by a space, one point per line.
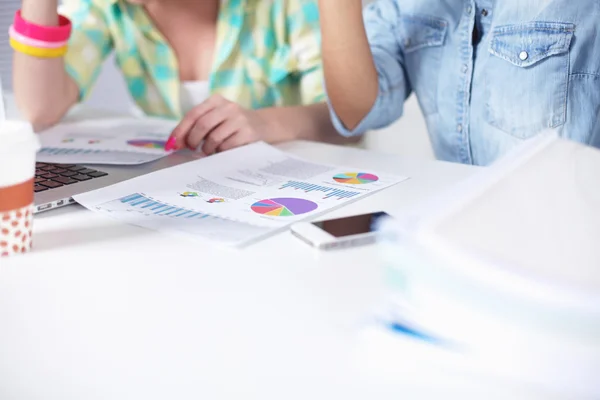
x=109 y=141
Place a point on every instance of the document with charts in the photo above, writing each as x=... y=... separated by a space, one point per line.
x=125 y=141
x=235 y=197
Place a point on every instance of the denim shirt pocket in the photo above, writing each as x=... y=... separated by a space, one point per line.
x=526 y=78
x=422 y=38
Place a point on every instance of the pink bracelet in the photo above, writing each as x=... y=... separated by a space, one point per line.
x=12 y=32
x=60 y=33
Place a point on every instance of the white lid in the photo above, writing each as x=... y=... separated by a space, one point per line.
x=193 y=93
x=17 y=133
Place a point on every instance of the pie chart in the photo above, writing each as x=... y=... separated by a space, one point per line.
x=355 y=178
x=147 y=143
x=284 y=207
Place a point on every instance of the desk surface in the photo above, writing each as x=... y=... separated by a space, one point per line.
x=102 y=310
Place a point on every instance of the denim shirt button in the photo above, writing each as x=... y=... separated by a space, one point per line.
x=469 y=9
x=459 y=127
x=523 y=55
x=464 y=68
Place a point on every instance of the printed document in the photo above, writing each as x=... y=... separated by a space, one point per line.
x=127 y=141
x=235 y=197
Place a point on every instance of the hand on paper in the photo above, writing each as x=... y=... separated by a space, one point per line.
x=221 y=125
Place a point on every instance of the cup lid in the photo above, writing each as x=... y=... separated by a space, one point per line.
x=17 y=133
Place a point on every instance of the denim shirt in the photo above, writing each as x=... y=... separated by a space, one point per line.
x=487 y=74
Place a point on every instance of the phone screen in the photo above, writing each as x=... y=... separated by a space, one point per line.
x=355 y=225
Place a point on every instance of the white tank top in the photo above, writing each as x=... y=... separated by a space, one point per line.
x=193 y=93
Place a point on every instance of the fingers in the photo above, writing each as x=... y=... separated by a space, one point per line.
x=189 y=121
x=241 y=138
x=231 y=127
x=208 y=122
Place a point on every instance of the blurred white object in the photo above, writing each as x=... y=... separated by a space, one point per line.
x=504 y=271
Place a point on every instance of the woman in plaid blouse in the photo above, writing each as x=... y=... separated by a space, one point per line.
x=259 y=62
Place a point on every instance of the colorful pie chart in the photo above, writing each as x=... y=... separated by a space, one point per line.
x=147 y=143
x=284 y=207
x=189 y=194
x=355 y=178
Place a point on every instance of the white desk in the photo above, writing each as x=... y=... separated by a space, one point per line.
x=102 y=310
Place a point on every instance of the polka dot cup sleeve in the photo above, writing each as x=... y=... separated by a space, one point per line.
x=18 y=147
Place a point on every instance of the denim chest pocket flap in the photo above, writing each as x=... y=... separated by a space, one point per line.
x=525 y=45
x=526 y=78
x=420 y=31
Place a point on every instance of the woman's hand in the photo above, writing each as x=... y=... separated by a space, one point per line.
x=220 y=125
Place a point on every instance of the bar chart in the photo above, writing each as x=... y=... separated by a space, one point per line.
x=142 y=210
x=60 y=151
x=145 y=205
x=93 y=156
x=329 y=191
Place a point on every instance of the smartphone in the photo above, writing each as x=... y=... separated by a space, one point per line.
x=357 y=230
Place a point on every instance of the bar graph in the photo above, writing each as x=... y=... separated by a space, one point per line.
x=329 y=191
x=145 y=205
x=64 y=151
x=142 y=210
x=93 y=156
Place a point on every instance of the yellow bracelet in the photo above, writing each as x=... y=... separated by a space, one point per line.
x=37 y=51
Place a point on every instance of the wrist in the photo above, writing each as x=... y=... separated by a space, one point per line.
x=40 y=12
x=276 y=129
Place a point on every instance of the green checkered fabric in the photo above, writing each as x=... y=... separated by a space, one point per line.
x=267 y=53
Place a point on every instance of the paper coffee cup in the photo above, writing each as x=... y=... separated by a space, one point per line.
x=18 y=148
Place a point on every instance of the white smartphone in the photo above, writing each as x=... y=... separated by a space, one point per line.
x=357 y=230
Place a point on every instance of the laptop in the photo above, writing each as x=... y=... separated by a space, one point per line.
x=56 y=184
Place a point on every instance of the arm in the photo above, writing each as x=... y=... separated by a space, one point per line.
x=349 y=70
x=363 y=63
x=219 y=124
x=310 y=122
x=43 y=90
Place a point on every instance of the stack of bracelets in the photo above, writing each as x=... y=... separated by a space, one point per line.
x=40 y=41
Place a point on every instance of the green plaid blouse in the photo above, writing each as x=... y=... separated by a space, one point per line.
x=267 y=53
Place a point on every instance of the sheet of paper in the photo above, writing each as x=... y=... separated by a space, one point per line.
x=256 y=189
x=115 y=141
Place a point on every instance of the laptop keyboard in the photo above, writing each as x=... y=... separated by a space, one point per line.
x=52 y=176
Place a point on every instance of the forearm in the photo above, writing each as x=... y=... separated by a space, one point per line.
x=310 y=122
x=350 y=73
x=43 y=89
